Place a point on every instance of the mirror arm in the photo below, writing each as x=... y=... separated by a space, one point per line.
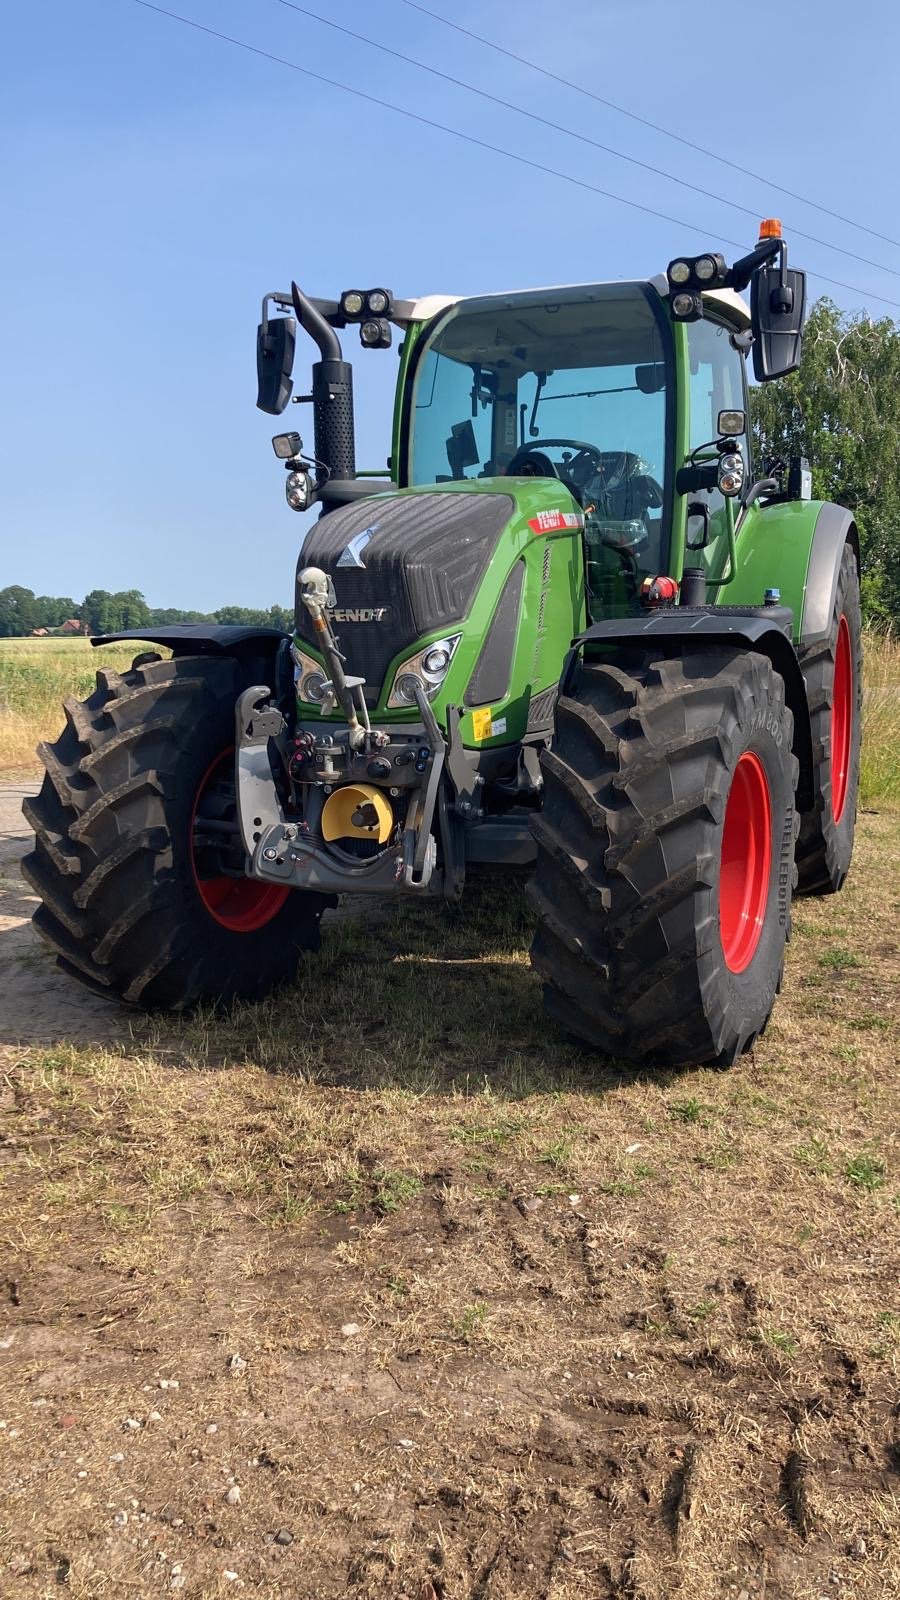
x=740 y=274
x=313 y=323
x=756 y=491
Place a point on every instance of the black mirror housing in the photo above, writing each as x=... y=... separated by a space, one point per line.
x=778 y=311
x=275 y=341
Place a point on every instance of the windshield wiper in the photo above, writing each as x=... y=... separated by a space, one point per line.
x=541 y=378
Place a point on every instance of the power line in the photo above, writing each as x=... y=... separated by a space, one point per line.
x=572 y=133
x=482 y=144
x=645 y=121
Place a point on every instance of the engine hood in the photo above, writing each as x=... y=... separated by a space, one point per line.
x=402 y=566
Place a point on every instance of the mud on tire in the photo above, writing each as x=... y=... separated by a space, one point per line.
x=832 y=671
x=629 y=876
x=121 y=888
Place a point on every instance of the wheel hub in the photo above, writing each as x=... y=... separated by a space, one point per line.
x=746 y=862
x=238 y=903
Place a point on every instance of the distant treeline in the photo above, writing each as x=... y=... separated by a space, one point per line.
x=22 y=612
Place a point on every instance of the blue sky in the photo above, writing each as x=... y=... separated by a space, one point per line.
x=156 y=181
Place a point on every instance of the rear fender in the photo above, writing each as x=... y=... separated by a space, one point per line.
x=767 y=630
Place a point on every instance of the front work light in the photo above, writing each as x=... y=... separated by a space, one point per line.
x=731 y=423
x=687 y=307
x=287 y=445
x=353 y=303
x=375 y=334
x=378 y=302
x=697 y=272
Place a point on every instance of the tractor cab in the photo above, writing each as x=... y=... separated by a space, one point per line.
x=577 y=389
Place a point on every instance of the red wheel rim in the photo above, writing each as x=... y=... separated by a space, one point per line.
x=841 y=720
x=242 y=905
x=746 y=862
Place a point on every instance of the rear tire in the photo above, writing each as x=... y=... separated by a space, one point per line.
x=832 y=672
x=128 y=905
x=665 y=855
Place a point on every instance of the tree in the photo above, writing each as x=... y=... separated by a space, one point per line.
x=51 y=611
x=248 y=616
x=16 y=611
x=842 y=411
x=95 y=611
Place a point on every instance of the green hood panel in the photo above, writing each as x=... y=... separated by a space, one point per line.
x=550 y=596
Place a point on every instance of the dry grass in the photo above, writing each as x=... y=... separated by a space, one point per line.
x=880 y=771
x=36 y=676
x=619 y=1334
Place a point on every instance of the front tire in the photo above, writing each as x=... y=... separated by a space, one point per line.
x=135 y=858
x=665 y=855
x=832 y=672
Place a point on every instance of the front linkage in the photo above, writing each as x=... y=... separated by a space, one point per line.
x=391 y=787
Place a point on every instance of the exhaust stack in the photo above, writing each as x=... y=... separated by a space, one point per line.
x=332 y=393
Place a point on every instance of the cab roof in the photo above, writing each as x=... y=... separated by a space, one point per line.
x=428 y=306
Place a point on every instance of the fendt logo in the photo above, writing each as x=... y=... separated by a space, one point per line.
x=361 y=614
x=352 y=556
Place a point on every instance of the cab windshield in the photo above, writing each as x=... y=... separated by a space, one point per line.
x=572 y=388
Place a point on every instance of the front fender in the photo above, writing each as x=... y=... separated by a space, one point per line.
x=201 y=638
x=766 y=630
x=834 y=528
x=264 y=653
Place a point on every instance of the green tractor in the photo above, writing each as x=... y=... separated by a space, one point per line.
x=575 y=628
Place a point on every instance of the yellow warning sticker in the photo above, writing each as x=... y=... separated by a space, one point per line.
x=481 y=723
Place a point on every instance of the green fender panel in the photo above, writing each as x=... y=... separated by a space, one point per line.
x=796 y=547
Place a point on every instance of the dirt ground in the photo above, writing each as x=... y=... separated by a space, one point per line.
x=382 y=1289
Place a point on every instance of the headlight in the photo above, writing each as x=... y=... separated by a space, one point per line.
x=436 y=660
x=404 y=691
x=309 y=679
x=426 y=670
x=731 y=473
x=298 y=491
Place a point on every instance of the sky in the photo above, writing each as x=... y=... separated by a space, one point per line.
x=156 y=181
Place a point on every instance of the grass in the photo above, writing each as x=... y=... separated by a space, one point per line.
x=880 y=766
x=36 y=676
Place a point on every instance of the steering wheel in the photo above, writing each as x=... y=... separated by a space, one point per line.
x=530 y=461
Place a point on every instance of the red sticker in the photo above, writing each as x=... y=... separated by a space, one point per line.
x=555 y=521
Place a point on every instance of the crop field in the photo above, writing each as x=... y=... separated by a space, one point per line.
x=383 y=1289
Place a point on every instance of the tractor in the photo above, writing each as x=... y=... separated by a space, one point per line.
x=574 y=628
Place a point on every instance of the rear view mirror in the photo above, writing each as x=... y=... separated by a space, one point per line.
x=651 y=377
x=275 y=341
x=778 y=310
x=462 y=449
